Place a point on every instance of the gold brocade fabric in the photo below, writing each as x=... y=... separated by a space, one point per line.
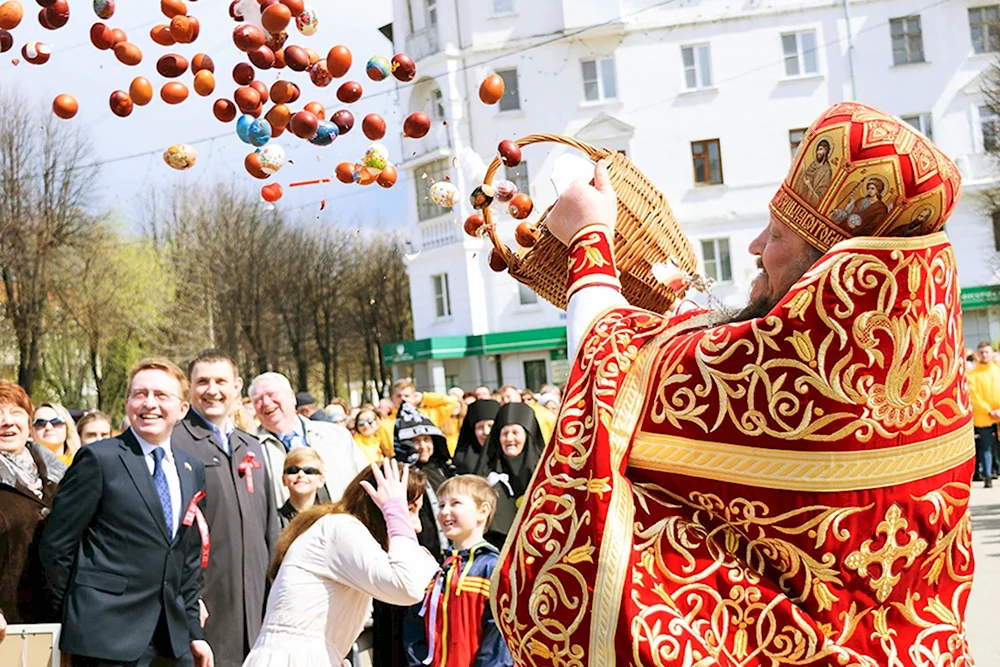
x=791 y=490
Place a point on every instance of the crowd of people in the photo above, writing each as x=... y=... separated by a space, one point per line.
x=983 y=371
x=262 y=529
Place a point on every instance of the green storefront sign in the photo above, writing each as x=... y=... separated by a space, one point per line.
x=453 y=347
x=980 y=297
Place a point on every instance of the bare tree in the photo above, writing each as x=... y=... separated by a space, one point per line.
x=44 y=197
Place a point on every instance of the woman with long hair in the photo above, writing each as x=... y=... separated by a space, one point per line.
x=52 y=427
x=332 y=560
x=509 y=459
x=367 y=435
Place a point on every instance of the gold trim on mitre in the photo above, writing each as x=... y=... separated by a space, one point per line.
x=796 y=470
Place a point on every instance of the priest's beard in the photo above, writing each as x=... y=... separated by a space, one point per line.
x=765 y=303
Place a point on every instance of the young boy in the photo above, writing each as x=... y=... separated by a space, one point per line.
x=458 y=623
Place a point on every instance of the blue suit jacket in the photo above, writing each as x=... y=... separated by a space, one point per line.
x=111 y=568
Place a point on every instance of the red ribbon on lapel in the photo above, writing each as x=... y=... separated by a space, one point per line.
x=246 y=469
x=193 y=514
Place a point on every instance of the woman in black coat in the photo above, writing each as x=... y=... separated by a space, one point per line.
x=29 y=477
x=509 y=459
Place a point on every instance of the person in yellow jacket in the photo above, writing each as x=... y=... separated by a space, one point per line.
x=984 y=388
x=369 y=436
x=439 y=408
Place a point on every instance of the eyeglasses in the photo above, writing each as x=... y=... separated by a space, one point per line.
x=362 y=422
x=159 y=396
x=55 y=422
x=294 y=470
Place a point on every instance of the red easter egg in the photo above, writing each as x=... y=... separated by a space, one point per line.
x=349 y=92
x=304 y=124
x=510 y=153
x=416 y=125
x=525 y=235
x=101 y=36
x=373 y=126
x=224 y=110
x=344 y=120
x=121 y=103
x=473 y=224
x=403 y=67
x=345 y=172
x=272 y=191
x=520 y=206
x=497 y=262
x=387 y=177
x=338 y=61
x=65 y=106
x=296 y=58
x=491 y=89
x=243 y=73
x=248 y=37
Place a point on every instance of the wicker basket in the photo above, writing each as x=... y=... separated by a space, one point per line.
x=646 y=234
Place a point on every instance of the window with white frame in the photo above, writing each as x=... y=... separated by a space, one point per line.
x=921 y=121
x=599 y=82
x=907 y=40
x=432 y=12
x=525 y=296
x=983 y=24
x=511 y=100
x=988 y=124
x=697 y=66
x=519 y=176
x=800 y=53
x=424 y=176
x=442 y=296
x=503 y=6
x=715 y=253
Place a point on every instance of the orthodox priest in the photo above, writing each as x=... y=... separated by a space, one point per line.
x=788 y=487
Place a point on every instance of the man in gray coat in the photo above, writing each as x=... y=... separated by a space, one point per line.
x=240 y=508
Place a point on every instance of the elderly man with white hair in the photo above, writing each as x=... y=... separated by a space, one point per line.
x=282 y=430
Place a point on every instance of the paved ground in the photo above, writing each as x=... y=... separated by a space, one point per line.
x=983 y=613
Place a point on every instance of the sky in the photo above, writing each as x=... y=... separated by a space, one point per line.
x=131 y=148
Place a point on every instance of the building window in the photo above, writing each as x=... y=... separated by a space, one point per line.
x=503 y=6
x=519 y=176
x=907 y=41
x=424 y=176
x=437 y=106
x=409 y=14
x=715 y=253
x=511 y=100
x=432 y=12
x=795 y=138
x=988 y=124
x=697 y=66
x=535 y=375
x=983 y=28
x=800 y=53
x=599 y=81
x=922 y=122
x=996 y=231
x=525 y=296
x=442 y=296
x=707 y=162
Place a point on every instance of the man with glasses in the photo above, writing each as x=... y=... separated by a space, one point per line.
x=121 y=551
x=282 y=430
x=241 y=513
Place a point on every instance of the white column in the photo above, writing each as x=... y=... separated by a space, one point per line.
x=435 y=372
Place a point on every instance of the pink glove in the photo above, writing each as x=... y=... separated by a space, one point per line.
x=397 y=519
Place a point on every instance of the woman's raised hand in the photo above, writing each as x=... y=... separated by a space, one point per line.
x=390 y=483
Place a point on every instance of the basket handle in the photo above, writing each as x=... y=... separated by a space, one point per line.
x=595 y=154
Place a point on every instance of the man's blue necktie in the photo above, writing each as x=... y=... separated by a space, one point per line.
x=163 y=489
x=288 y=439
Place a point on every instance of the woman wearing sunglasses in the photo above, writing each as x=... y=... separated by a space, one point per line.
x=303 y=476
x=54 y=428
x=369 y=437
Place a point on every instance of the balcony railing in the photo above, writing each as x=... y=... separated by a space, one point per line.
x=978 y=168
x=438 y=232
x=424 y=43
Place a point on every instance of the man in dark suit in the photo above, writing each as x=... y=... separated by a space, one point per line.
x=241 y=510
x=122 y=549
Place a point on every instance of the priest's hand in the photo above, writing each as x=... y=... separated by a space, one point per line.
x=202 y=653
x=583 y=204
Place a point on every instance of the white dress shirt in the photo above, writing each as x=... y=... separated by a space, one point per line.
x=170 y=470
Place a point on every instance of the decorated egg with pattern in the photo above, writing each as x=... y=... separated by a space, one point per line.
x=326 y=132
x=104 y=9
x=272 y=158
x=376 y=157
x=180 y=156
x=259 y=132
x=378 y=68
x=504 y=190
x=307 y=22
x=444 y=193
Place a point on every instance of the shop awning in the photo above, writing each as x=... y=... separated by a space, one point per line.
x=453 y=347
x=982 y=296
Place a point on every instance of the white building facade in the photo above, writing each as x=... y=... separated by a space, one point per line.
x=709 y=99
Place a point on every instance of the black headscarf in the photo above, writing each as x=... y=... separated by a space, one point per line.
x=468 y=452
x=518 y=469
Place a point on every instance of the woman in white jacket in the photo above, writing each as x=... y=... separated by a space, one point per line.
x=331 y=561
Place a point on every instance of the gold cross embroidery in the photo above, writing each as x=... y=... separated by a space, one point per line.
x=887 y=556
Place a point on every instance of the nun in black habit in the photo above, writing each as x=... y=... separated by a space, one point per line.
x=509 y=459
x=473 y=435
